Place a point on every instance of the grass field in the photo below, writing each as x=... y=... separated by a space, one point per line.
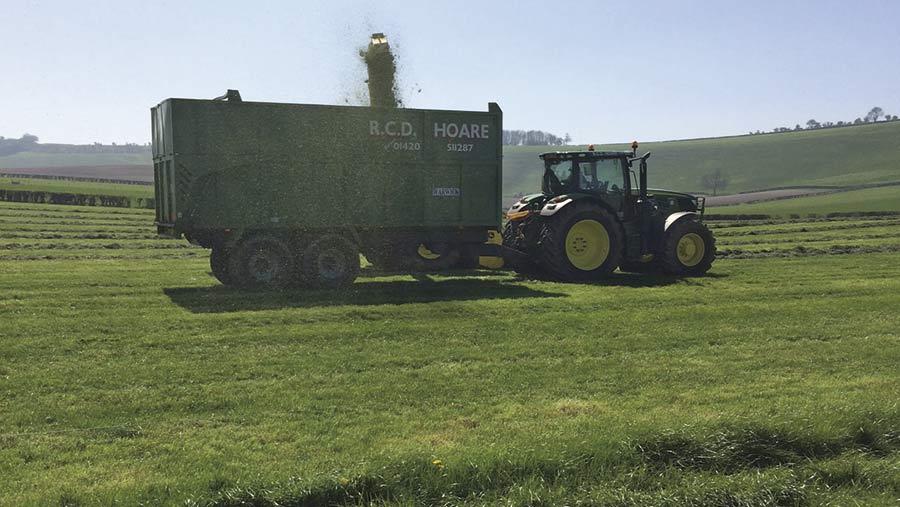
x=837 y=156
x=129 y=376
x=76 y=187
x=870 y=199
x=41 y=159
x=834 y=157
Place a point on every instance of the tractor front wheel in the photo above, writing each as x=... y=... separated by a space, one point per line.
x=689 y=249
x=581 y=242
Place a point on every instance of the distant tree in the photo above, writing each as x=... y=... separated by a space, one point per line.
x=857 y=121
x=28 y=139
x=714 y=181
x=874 y=114
x=567 y=139
x=841 y=123
x=798 y=127
x=531 y=138
x=812 y=124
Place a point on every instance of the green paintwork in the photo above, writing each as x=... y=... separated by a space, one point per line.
x=251 y=165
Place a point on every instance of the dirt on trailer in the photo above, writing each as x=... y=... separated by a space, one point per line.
x=141 y=173
x=767 y=195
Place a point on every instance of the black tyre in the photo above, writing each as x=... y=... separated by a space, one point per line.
x=218 y=264
x=689 y=249
x=331 y=262
x=262 y=262
x=581 y=242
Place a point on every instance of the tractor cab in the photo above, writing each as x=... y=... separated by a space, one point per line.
x=600 y=174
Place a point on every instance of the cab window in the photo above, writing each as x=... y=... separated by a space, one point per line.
x=604 y=175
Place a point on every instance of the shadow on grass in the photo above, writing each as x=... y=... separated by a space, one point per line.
x=221 y=299
x=637 y=280
x=371 y=272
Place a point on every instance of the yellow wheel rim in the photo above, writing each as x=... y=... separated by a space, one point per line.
x=427 y=254
x=690 y=249
x=587 y=245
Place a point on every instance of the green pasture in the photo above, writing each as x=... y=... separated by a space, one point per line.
x=834 y=157
x=130 y=379
x=870 y=199
x=76 y=187
x=43 y=159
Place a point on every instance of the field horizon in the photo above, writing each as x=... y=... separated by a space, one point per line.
x=838 y=157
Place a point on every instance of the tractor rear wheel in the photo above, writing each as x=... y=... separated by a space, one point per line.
x=263 y=261
x=331 y=262
x=689 y=249
x=218 y=264
x=581 y=242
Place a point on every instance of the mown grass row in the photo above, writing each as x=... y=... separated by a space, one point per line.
x=130 y=378
x=806 y=237
x=65 y=232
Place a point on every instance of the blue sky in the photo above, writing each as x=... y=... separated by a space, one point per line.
x=81 y=72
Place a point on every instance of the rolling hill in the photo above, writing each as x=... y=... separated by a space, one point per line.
x=832 y=157
x=826 y=157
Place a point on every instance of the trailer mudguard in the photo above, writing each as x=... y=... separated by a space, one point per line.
x=677 y=217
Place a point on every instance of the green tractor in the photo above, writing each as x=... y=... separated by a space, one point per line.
x=592 y=217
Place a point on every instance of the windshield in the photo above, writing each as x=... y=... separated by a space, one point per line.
x=600 y=175
x=558 y=176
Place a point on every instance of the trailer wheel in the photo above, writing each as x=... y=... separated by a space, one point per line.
x=689 y=249
x=582 y=242
x=218 y=264
x=331 y=262
x=263 y=261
